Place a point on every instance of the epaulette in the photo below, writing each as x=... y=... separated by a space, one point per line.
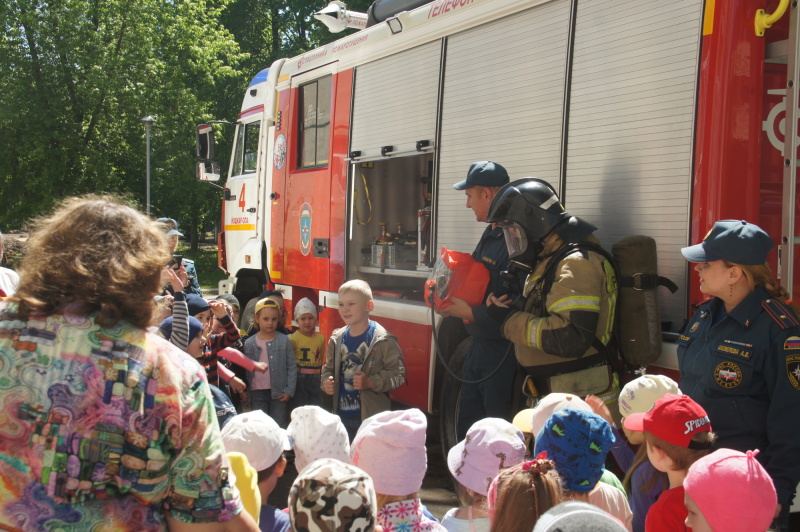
x=781 y=313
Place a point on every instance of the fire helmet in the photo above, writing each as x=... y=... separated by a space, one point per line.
x=529 y=209
x=531 y=203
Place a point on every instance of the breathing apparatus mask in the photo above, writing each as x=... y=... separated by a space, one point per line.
x=523 y=254
x=521 y=248
x=527 y=210
x=456 y=274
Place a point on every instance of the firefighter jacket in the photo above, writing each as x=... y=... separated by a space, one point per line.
x=561 y=325
x=743 y=368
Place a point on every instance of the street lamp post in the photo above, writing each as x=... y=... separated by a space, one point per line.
x=148 y=123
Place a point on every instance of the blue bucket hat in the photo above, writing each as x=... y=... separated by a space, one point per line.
x=171 y=226
x=577 y=442
x=734 y=241
x=483 y=174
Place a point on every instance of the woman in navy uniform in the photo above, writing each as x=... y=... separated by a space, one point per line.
x=739 y=355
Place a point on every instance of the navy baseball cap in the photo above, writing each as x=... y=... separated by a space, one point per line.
x=483 y=174
x=171 y=226
x=734 y=241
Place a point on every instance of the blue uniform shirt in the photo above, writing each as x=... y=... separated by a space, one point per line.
x=491 y=251
x=745 y=372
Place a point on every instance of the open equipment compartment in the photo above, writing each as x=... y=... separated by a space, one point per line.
x=390 y=239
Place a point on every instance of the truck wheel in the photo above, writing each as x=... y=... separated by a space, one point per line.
x=451 y=395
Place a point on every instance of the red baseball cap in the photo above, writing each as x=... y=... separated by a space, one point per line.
x=673 y=418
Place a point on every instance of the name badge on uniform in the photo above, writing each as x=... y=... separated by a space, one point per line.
x=736 y=348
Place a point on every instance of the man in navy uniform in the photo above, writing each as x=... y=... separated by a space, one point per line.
x=492 y=397
x=171 y=229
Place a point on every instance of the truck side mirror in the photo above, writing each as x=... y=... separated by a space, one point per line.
x=208 y=171
x=205 y=142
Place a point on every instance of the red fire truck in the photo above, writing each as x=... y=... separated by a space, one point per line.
x=649 y=117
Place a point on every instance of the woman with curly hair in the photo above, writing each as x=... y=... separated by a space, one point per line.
x=104 y=424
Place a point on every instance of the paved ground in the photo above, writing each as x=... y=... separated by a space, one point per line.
x=437 y=493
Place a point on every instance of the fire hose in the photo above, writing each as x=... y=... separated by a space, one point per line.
x=441 y=358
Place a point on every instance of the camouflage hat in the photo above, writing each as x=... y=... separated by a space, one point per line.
x=230 y=299
x=332 y=496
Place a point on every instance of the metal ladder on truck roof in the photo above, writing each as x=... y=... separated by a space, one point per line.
x=789 y=238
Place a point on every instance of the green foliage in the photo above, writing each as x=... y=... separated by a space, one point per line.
x=270 y=29
x=205 y=261
x=77 y=76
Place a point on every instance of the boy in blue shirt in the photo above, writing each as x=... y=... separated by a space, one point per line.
x=364 y=361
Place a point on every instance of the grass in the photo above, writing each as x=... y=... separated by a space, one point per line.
x=205 y=262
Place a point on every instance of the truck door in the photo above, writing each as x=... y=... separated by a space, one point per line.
x=241 y=194
x=306 y=248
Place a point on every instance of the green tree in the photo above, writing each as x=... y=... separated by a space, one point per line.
x=267 y=30
x=75 y=79
x=77 y=76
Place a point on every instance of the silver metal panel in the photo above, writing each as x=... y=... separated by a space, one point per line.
x=789 y=237
x=631 y=123
x=395 y=100
x=503 y=101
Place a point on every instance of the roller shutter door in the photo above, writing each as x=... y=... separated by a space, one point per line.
x=395 y=100
x=503 y=101
x=631 y=125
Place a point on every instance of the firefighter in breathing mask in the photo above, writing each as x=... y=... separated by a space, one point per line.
x=561 y=324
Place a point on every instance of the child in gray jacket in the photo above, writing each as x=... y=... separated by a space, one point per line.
x=364 y=361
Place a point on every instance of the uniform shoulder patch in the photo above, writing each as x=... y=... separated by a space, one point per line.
x=792 y=344
x=780 y=313
x=793 y=370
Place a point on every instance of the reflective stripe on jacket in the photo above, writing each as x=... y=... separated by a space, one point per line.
x=580 y=304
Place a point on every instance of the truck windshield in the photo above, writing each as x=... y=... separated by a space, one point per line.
x=244 y=161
